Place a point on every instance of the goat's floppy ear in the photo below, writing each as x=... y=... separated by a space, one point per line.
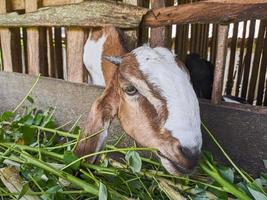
x=102 y=112
x=116 y=60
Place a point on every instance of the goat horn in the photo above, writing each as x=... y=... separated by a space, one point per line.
x=116 y=60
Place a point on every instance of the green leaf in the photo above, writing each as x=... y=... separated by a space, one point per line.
x=256 y=194
x=30 y=99
x=227 y=173
x=134 y=161
x=38 y=119
x=69 y=157
x=6 y=116
x=25 y=188
x=51 y=192
x=103 y=193
x=28 y=134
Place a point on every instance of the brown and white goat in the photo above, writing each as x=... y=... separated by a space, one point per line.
x=150 y=92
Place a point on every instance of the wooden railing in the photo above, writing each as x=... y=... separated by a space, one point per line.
x=33 y=37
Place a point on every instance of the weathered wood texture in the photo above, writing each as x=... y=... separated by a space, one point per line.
x=241 y=129
x=220 y=64
x=10 y=44
x=19 y=4
x=32 y=41
x=205 y=12
x=75 y=43
x=132 y=34
x=157 y=35
x=143 y=31
x=247 y=59
x=230 y=81
x=89 y=13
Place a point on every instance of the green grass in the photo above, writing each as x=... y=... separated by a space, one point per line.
x=44 y=156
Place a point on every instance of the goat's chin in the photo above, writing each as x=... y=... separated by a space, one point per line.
x=174 y=168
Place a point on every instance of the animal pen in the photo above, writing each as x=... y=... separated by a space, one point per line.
x=48 y=37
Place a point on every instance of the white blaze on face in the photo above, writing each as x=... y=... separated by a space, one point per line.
x=183 y=120
x=92 y=58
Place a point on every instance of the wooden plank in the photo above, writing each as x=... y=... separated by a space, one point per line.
x=58 y=54
x=50 y=54
x=157 y=36
x=256 y=63
x=262 y=72
x=75 y=43
x=205 y=12
x=143 y=31
x=88 y=14
x=5 y=35
x=131 y=41
x=43 y=51
x=19 y=4
x=241 y=64
x=230 y=77
x=241 y=130
x=220 y=64
x=247 y=61
x=206 y=41
x=25 y=53
x=168 y=31
x=265 y=98
x=213 y=48
x=32 y=41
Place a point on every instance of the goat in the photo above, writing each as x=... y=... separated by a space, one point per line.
x=151 y=93
x=201 y=73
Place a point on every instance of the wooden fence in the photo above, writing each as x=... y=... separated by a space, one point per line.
x=50 y=42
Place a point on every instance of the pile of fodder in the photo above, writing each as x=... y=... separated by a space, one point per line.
x=37 y=161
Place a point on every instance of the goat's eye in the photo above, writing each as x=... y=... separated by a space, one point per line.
x=130 y=90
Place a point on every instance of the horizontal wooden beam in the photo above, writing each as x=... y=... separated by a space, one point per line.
x=100 y=13
x=89 y=14
x=215 y=11
x=20 y=4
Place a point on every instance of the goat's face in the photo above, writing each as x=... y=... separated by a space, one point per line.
x=156 y=105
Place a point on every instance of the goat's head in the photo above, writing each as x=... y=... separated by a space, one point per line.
x=156 y=105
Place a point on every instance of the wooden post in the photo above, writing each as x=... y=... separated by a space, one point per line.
x=241 y=56
x=32 y=41
x=58 y=53
x=256 y=63
x=143 y=31
x=131 y=41
x=50 y=54
x=157 y=37
x=247 y=60
x=262 y=72
x=10 y=43
x=75 y=43
x=230 y=78
x=220 y=64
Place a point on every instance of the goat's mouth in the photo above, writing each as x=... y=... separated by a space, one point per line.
x=174 y=167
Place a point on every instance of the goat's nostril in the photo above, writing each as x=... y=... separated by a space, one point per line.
x=190 y=154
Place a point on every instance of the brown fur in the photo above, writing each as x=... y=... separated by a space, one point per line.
x=139 y=117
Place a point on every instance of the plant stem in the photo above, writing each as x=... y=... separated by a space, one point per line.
x=74 y=180
x=227 y=186
x=108 y=151
x=29 y=92
x=143 y=159
x=41 y=128
x=224 y=153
